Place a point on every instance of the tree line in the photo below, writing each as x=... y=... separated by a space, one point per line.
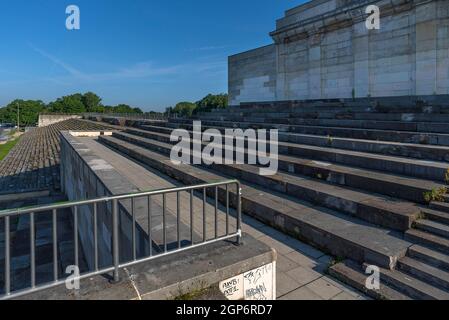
x=77 y=103
x=209 y=102
x=29 y=110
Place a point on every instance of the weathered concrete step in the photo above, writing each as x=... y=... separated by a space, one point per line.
x=352 y=274
x=424 y=272
x=399 y=125
x=441 y=230
x=397 y=186
x=367 y=134
x=435 y=215
x=412 y=286
x=431 y=257
x=347 y=114
x=432 y=170
x=378 y=125
x=441 y=206
x=339 y=234
x=347 y=123
x=377 y=116
x=418 y=151
x=428 y=240
x=410 y=150
x=376 y=209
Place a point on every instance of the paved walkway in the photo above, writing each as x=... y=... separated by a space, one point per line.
x=300 y=267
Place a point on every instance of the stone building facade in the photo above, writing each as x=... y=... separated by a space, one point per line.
x=323 y=50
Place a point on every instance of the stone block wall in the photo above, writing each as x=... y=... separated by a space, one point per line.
x=86 y=176
x=323 y=50
x=252 y=75
x=49 y=119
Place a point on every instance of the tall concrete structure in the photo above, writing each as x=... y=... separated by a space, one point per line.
x=323 y=49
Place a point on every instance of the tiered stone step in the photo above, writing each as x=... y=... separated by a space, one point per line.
x=352 y=274
x=339 y=234
x=354 y=133
x=349 y=177
x=283 y=118
x=424 y=272
x=433 y=170
x=303 y=160
x=417 y=151
x=419 y=275
x=402 y=187
x=371 y=207
x=291 y=117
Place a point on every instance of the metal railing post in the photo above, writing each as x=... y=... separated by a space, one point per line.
x=115 y=240
x=239 y=213
x=7 y=257
x=113 y=203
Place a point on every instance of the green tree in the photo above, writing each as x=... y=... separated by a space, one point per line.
x=212 y=101
x=185 y=109
x=92 y=102
x=68 y=104
x=28 y=111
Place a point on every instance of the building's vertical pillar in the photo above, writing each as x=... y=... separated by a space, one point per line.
x=281 y=83
x=426 y=49
x=443 y=49
x=360 y=47
x=315 y=67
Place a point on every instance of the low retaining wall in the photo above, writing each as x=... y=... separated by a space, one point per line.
x=86 y=176
x=48 y=119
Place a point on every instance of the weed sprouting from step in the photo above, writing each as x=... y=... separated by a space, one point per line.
x=446 y=177
x=436 y=194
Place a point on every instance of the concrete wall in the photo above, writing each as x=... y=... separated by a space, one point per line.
x=48 y=119
x=86 y=176
x=323 y=50
x=252 y=75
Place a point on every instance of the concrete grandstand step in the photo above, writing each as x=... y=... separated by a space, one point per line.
x=340 y=235
x=441 y=230
x=412 y=286
x=418 y=151
x=435 y=215
x=402 y=187
x=407 y=188
x=424 y=272
x=373 y=208
x=351 y=273
x=432 y=170
x=345 y=114
x=354 y=133
x=370 y=207
x=429 y=256
x=400 y=125
x=441 y=206
x=426 y=239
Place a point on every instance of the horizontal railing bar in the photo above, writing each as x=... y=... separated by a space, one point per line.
x=69 y=204
x=22 y=293
x=6 y=214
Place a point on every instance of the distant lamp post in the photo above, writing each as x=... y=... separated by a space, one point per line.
x=18 y=117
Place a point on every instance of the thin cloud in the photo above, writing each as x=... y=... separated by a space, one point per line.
x=71 y=70
x=207 y=48
x=140 y=70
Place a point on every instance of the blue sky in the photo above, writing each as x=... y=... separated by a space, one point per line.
x=144 y=53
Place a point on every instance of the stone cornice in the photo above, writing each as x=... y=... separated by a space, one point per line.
x=340 y=18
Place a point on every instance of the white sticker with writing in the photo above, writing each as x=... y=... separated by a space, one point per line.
x=257 y=284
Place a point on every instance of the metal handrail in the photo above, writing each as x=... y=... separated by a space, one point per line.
x=32 y=211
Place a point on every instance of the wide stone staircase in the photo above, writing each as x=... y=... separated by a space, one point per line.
x=365 y=183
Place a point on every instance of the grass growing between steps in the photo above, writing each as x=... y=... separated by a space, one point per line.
x=6 y=148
